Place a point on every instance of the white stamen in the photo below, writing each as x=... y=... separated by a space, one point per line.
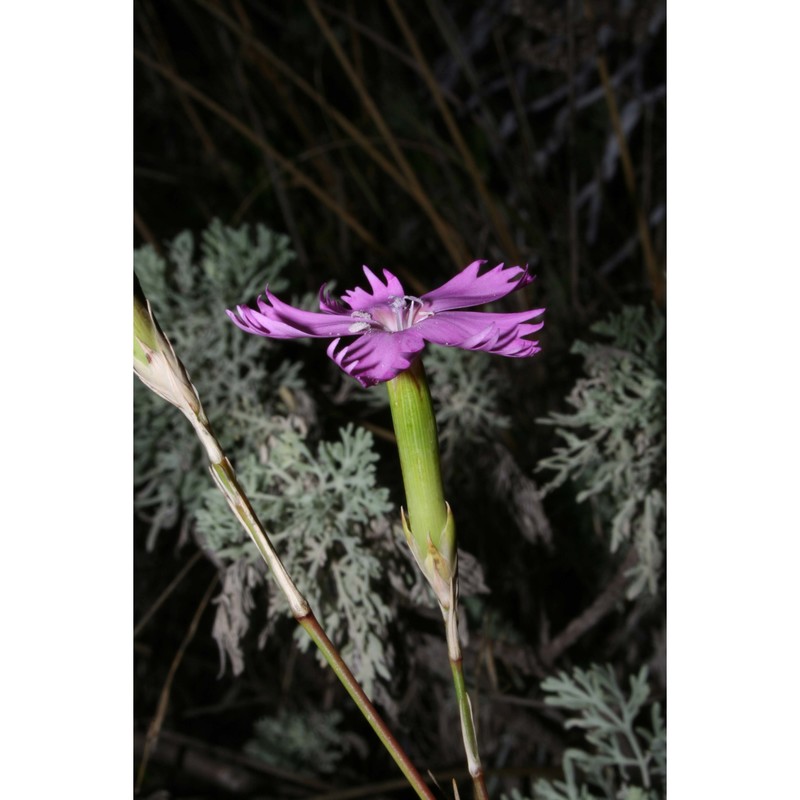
x=397 y=314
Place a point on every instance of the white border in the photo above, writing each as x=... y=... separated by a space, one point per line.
x=66 y=592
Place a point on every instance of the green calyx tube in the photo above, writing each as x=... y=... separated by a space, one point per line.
x=429 y=524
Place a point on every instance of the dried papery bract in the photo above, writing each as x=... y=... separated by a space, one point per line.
x=315 y=489
x=157 y=365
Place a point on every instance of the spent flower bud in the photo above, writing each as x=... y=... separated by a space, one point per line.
x=156 y=364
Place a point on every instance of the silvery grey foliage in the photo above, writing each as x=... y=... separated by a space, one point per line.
x=519 y=492
x=320 y=504
x=305 y=742
x=468 y=396
x=625 y=756
x=615 y=440
x=466 y=392
x=189 y=290
x=318 y=498
x=234 y=606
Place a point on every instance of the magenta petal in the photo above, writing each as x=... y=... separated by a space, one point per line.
x=501 y=334
x=306 y=323
x=469 y=289
x=377 y=356
x=331 y=304
x=252 y=321
x=377 y=351
x=361 y=300
x=282 y=321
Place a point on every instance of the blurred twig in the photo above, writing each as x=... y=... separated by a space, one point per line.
x=147 y=616
x=602 y=605
x=455 y=773
x=160 y=45
x=404 y=177
x=490 y=204
x=206 y=760
x=260 y=142
x=304 y=86
x=653 y=271
x=383 y=43
x=145 y=232
x=254 y=50
x=163 y=700
x=448 y=236
x=280 y=189
x=572 y=150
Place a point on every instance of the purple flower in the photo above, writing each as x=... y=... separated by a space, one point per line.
x=391 y=327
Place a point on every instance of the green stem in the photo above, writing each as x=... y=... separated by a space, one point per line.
x=320 y=639
x=468 y=732
x=157 y=365
x=226 y=480
x=430 y=530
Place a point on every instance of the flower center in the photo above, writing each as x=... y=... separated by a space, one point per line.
x=398 y=314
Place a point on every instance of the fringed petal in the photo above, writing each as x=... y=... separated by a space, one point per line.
x=361 y=300
x=501 y=334
x=470 y=289
x=281 y=321
x=377 y=356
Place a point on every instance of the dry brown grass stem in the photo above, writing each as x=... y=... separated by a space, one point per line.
x=173 y=584
x=281 y=193
x=160 y=44
x=304 y=86
x=448 y=236
x=252 y=49
x=654 y=273
x=383 y=44
x=498 y=222
x=231 y=770
x=301 y=178
x=145 y=232
x=163 y=700
x=156 y=39
x=404 y=177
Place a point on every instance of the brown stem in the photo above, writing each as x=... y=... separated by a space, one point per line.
x=304 y=86
x=166 y=593
x=145 y=232
x=230 y=770
x=497 y=220
x=343 y=673
x=163 y=700
x=448 y=236
x=260 y=142
x=653 y=271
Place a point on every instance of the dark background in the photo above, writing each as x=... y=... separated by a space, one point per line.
x=244 y=112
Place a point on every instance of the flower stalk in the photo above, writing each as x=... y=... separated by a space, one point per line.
x=157 y=365
x=377 y=336
x=430 y=531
